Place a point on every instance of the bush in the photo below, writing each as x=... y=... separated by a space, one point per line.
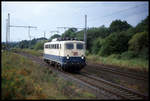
x=117 y=56
x=96 y=45
x=138 y=41
x=115 y=43
x=144 y=53
x=128 y=55
x=87 y=53
x=39 y=46
x=139 y=44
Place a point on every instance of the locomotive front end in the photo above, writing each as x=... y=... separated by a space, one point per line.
x=74 y=56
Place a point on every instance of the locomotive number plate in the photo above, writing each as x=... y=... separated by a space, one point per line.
x=75 y=53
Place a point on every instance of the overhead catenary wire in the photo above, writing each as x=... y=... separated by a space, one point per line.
x=25 y=27
x=114 y=13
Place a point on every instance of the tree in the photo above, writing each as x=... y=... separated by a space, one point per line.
x=138 y=41
x=143 y=25
x=114 y=44
x=102 y=31
x=139 y=44
x=54 y=36
x=80 y=35
x=97 y=43
x=39 y=45
x=118 y=25
x=71 y=33
x=24 y=44
x=94 y=33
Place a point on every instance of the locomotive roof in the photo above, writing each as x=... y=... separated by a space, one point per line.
x=66 y=41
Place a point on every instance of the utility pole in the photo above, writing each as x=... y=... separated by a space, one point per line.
x=85 y=32
x=44 y=34
x=7 y=31
x=8 y=28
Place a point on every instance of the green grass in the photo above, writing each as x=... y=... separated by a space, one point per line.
x=24 y=79
x=135 y=64
x=33 y=52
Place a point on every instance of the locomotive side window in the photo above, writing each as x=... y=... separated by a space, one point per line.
x=69 y=46
x=60 y=46
x=57 y=46
x=79 y=46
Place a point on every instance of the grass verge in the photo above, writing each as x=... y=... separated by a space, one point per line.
x=24 y=79
x=134 y=64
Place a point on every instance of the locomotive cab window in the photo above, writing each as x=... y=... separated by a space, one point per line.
x=69 y=46
x=46 y=46
x=79 y=46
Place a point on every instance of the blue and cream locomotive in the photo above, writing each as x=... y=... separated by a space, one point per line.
x=66 y=54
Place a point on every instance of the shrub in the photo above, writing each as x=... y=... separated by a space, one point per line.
x=144 y=53
x=138 y=41
x=39 y=45
x=128 y=55
x=96 y=45
x=117 y=56
x=114 y=44
x=139 y=44
x=87 y=53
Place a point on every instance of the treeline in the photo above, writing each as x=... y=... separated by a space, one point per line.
x=36 y=43
x=120 y=40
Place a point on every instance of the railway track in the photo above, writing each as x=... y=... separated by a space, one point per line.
x=111 y=88
x=117 y=71
x=120 y=91
x=114 y=89
x=121 y=73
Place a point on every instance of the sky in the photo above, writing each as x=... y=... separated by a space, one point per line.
x=47 y=16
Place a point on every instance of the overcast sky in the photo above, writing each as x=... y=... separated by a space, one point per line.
x=47 y=16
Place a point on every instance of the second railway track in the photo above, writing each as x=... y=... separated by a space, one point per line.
x=114 y=89
x=122 y=92
x=119 y=72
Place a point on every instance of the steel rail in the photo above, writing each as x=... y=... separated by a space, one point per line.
x=127 y=90
x=126 y=74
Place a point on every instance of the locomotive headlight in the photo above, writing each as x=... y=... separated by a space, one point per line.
x=82 y=57
x=67 y=56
